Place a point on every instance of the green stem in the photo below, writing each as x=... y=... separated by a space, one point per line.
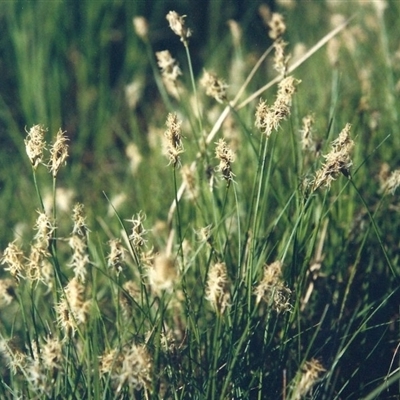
x=37 y=190
x=376 y=230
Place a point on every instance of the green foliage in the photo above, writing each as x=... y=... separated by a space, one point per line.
x=198 y=268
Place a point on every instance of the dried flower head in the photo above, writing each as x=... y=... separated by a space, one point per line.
x=73 y=310
x=214 y=86
x=45 y=228
x=51 y=354
x=37 y=258
x=134 y=369
x=128 y=296
x=280 y=59
x=79 y=218
x=268 y=118
x=272 y=290
x=177 y=24
x=80 y=257
x=226 y=157
x=310 y=373
x=15 y=359
x=204 y=234
x=58 y=153
x=137 y=236
x=141 y=27
x=277 y=26
x=14 y=258
x=307 y=142
x=162 y=275
x=174 y=139
x=108 y=361
x=35 y=144
x=336 y=161
x=393 y=181
x=169 y=67
x=117 y=255
x=217 y=290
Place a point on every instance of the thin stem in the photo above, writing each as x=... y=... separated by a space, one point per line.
x=376 y=230
x=37 y=190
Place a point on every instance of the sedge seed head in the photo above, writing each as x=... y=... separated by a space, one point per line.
x=13 y=257
x=58 y=153
x=35 y=144
x=214 y=86
x=226 y=157
x=174 y=139
x=217 y=290
x=177 y=24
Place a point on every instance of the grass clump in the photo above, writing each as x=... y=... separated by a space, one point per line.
x=263 y=264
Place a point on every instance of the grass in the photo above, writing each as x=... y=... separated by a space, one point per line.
x=211 y=257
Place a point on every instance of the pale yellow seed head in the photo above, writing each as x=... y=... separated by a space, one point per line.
x=217 y=290
x=141 y=26
x=163 y=274
x=35 y=144
x=58 y=153
x=177 y=24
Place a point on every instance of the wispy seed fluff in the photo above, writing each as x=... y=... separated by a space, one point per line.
x=174 y=139
x=274 y=21
x=78 y=242
x=226 y=157
x=162 y=275
x=58 y=153
x=138 y=233
x=310 y=373
x=51 y=354
x=13 y=257
x=307 y=142
x=45 y=228
x=214 y=86
x=336 y=161
x=177 y=24
x=392 y=182
x=280 y=59
x=217 y=291
x=72 y=310
x=277 y=26
x=268 y=118
x=272 y=290
x=169 y=67
x=116 y=257
x=35 y=144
